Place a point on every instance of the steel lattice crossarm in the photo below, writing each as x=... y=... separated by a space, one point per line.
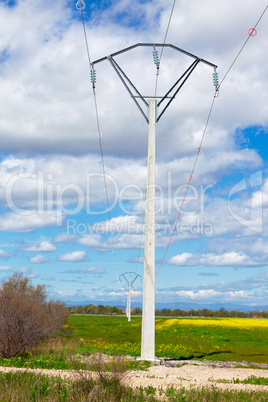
x=129 y=280
x=135 y=93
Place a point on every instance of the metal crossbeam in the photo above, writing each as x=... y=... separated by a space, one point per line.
x=123 y=77
x=132 y=89
x=188 y=72
x=154 y=45
x=129 y=281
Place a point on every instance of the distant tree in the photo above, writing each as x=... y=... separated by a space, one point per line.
x=206 y=313
x=232 y=313
x=165 y=312
x=26 y=316
x=242 y=314
x=107 y=310
x=79 y=309
x=136 y=311
x=116 y=310
x=175 y=312
x=90 y=309
x=100 y=309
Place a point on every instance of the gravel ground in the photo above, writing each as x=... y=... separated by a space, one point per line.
x=194 y=374
x=178 y=374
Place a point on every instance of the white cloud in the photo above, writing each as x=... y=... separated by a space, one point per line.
x=5 y=268
x=74 y=256
x=198 y=294
x=28 y=272
x=64 y=238
x=211 y=293
x=118 y=225
x=28 y=222
x=93 y=270
x=48 y=278
x=48 y=110
x=260 y=198
x=90 y=271
x=90 y=241
x=228 y=259
x=5 y=254
x=38 y=259
x=53 y=51
x=44 y=246
x=181 y=259
x=123 y=241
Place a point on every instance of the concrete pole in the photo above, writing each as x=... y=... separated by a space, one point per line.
x=129 y=302
x=148 y=309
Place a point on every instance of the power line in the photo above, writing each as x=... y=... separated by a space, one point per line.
x=156 y=83
x=203 y=136
x=166 y=34
x=162 y=50
x=80 y=5
x=246 y=41
x=199 y=150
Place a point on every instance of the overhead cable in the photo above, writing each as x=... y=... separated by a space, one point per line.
x=165 y=38
x=240 y=51
x=217 y=85
x=80 y=5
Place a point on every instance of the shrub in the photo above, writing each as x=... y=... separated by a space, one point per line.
x=26 y=315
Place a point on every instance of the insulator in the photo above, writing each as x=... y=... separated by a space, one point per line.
x=80 y=5
x=215 y=79
x=155 y=56
x=93 y=76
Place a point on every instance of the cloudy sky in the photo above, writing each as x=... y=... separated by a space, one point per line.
x=54 y=222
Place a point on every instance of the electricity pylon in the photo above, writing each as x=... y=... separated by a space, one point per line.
x=127 y=276
x=148 y=310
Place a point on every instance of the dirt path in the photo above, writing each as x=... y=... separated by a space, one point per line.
x=190 y=374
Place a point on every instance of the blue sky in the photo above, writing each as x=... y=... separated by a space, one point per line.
x=54 y=225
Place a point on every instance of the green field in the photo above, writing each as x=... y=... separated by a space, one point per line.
x=227 y=339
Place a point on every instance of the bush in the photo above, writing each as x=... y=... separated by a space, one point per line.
x=26 y=316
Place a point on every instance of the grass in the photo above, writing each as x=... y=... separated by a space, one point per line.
x=252 y=380
x=251 y=366
x=49 y=354
x=30 y=387
x=22 y=387
x=57 y=353
x=227 y=339
x=211 y=339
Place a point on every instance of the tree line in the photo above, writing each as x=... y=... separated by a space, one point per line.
x=91 y=309
x=211 y=313
x=109 y=310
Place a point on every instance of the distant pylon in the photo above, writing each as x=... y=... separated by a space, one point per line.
x=127 y=276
